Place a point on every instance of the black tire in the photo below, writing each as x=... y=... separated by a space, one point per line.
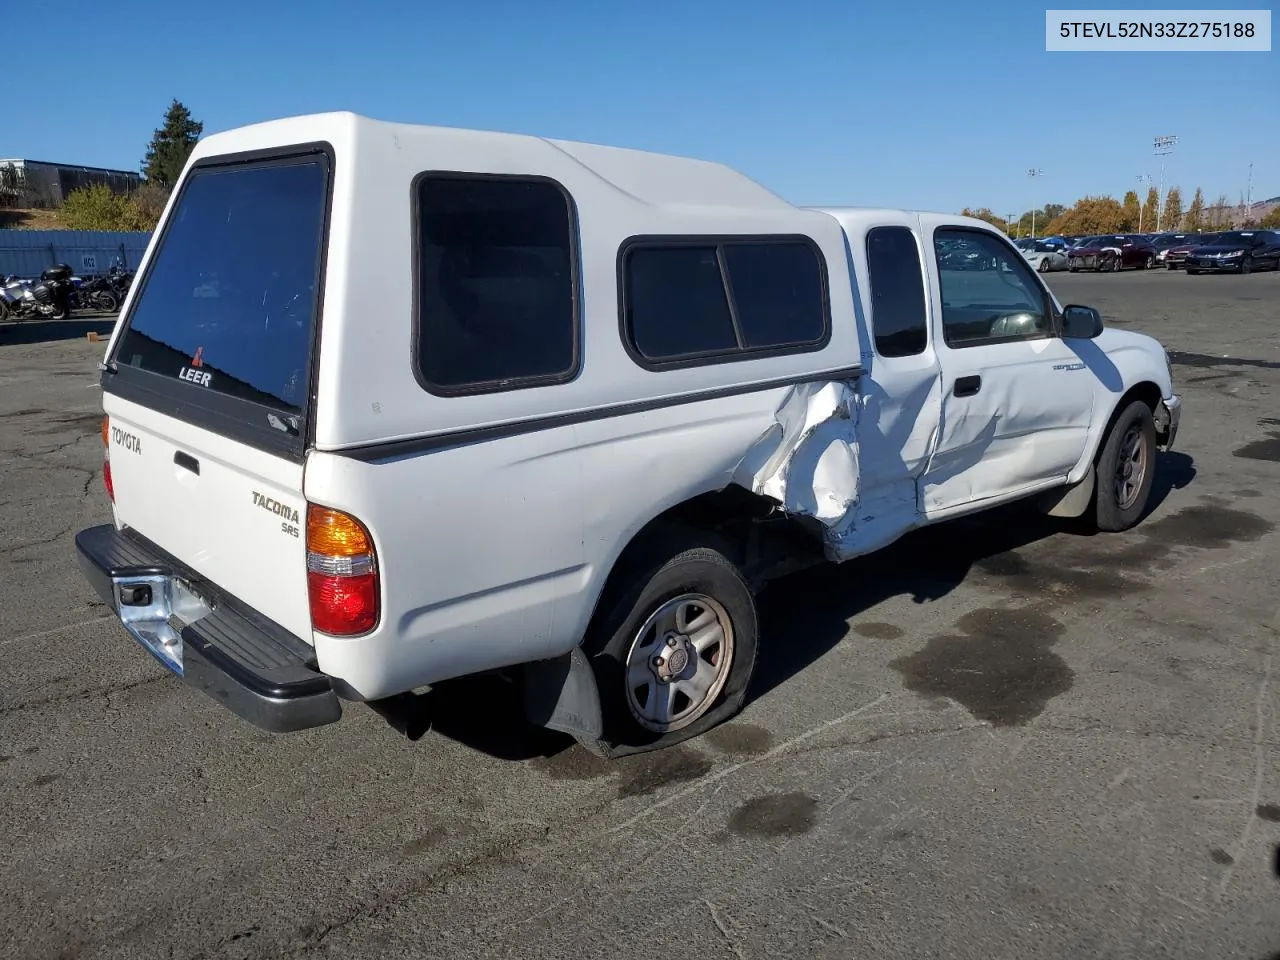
x=1044 y=265
x=58 y=313
x=4 y=311
x=1192 y=273
x=1110 y=514
x=1246 y=264
x=1151 y=262
x=673 y=564
x=105 y=301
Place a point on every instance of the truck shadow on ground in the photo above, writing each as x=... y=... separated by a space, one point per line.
x=50 y=331
x=802 y=617
x=813 y=609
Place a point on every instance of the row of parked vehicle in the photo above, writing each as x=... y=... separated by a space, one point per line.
x=1230 y=251
x=58 y=293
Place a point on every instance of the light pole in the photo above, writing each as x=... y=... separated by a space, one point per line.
x=1143 y=178
x=1033 y=173
x=1248 y=203
x=1163 y=147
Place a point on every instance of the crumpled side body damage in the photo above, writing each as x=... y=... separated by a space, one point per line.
x=808 y=460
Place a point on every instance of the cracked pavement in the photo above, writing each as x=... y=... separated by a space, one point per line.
x=996 y=739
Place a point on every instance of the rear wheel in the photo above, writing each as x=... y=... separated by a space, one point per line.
x=1151 y=262
x=675 y=646
x=1126 y=468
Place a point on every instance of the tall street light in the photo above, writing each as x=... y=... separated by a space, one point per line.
x=1143 y=178
x=1163 y=147
x=1033 y=173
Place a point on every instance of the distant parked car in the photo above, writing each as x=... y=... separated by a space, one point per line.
x=1110 y=253
x=1237 y=251
x=1176 y=257
x=1046 y=256
x=1165 y=242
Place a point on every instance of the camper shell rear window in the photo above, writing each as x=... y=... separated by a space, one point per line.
x=223 y=328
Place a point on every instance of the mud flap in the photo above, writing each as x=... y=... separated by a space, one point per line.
x=561 y=695
x=1070 y=501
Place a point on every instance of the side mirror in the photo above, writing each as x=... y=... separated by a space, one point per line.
x=1080 y=323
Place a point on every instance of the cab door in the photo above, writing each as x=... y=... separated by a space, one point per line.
x=901 y=387
x=1017 y=400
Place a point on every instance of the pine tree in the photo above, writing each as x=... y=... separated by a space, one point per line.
x=171 y=145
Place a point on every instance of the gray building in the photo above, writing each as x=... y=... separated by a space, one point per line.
x=35 y=183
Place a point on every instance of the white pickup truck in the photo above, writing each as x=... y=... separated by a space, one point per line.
x=392 y=404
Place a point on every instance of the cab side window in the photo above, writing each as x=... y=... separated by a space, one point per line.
x=990 y=294
x=897 y=292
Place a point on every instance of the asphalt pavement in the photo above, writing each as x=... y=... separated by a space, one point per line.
x=997 y=739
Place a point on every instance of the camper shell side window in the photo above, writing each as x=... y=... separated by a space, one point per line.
x=692 y=300
x=496 y=304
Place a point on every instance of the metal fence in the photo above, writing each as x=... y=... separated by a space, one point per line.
x=25 y=253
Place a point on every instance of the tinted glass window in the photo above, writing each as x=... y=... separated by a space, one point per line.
x=496 y=297
x=989 y=292
x=228 y=303
x=897 y=292
x=777 y=293
x=677 y=304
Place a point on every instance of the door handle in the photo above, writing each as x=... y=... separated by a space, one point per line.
x=967 y=386
x=187 y=461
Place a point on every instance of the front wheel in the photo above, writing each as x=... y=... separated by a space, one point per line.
x=1044 y=265
x=1246 y=265
x=105 y=301
x=1126 y=468
x=674 y=648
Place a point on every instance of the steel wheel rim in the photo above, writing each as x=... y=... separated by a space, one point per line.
x=678 y=662
x=1131 y=467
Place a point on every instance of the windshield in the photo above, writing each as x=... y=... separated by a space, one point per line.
x=1104 y=241
x=1234 y=237
x=1046 y=247
x=228 y=302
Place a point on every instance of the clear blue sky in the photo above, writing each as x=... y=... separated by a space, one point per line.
x=936 y=105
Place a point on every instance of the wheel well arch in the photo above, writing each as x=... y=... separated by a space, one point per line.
x=728 y=519
x=1146 y=391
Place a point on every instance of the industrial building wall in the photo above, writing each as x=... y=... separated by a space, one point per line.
x=25 y=253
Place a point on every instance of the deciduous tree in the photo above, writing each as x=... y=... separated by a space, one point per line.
x=985 y=213
x=1172 y=209
x=1132 y=212
x=1194 y=220
x=98 y=208
x=1151 y=210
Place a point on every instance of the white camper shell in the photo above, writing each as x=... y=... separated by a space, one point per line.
x=393 y=404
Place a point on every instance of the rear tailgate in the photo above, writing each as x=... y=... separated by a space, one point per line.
x=208 y=381
x=232 y=513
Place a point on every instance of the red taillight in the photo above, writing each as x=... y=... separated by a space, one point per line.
x=342 y=573
x=106 y=458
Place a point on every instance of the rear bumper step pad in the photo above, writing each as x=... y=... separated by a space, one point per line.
x=249 y=664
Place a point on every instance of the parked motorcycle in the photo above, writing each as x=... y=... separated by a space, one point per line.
x=48 y=298
x=96 y=293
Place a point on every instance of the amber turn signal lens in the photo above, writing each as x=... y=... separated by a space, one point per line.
x=106 y=430
x=333 y=533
